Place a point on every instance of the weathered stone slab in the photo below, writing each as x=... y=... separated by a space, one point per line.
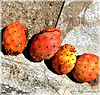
x=25 y=77
x=72 y=15
x=85 y=35
x=35 y=16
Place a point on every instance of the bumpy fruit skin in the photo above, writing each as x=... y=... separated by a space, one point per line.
x=14 y=38
x=46 y=44
x=86 y=68
x=64 y=60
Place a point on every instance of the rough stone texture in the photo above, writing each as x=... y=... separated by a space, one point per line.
x=20 y=76
x=35 y=16
x=72 y=15
x=85 y=36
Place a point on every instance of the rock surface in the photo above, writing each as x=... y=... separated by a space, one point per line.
x=79 y=22
x=35 y=16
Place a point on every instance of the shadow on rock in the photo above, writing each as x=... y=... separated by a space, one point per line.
x=26 y=51
x=2 y=48
x=48 y=63
x=70 y=75
x=78 y=56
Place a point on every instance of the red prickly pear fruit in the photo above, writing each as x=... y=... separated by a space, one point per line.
x=64 y=60
x=86 y=68
x=14 y=38
x=46 y=44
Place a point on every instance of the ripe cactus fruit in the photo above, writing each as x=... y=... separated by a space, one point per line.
x=14 y=38
x=46 y=44
x=64 y=60
x=86 y=68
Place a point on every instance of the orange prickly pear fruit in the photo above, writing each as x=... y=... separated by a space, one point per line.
x=14 y=38
x=64 y=60
x=86 y=68
x=46 y=44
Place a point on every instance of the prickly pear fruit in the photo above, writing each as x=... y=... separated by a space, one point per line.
x=14 y=38
x=46 y=44
x=64 y=60
x=86 y=68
